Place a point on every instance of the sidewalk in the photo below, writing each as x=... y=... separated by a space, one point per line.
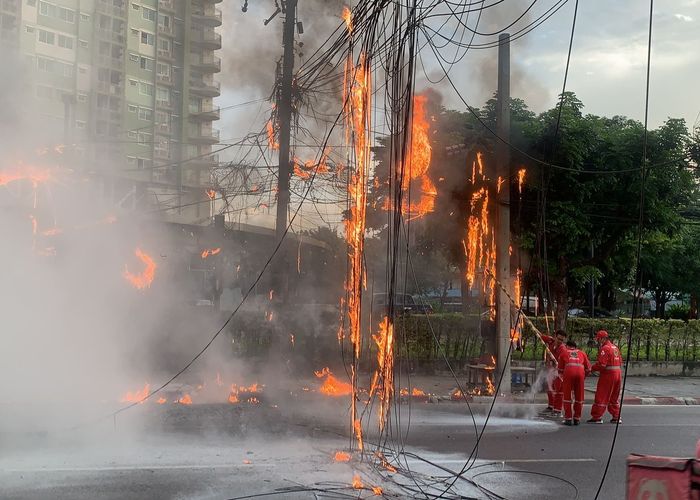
x=638 y=390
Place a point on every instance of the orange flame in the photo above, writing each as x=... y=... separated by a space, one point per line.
x=341 y=456
x=185 y=400
x=136 y=396
x=347 y=17
x=211 y=194
x=161 y=400
x=271 y=140
x=332 y=386
x=521 y=180
x=24 y=172
x=418 y=163
x=377 y=490
x=357 y=482
x=209 y=252
x=385 y=372
x=145 y=278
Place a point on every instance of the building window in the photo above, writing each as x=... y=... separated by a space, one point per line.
x=131 y=160
x=132 y=108
x=164 y=44
x=65 y=42
x=50 y=10
x=145 y=138
x=84 y=17
x=147 y=63
x=66 y=15
x=163 y=95
x=47 y=37
x=131 y=134
x=147 y=38
x=82 y=70
x=80 y=124
x=133 y=83
x=83 y=43
x=82 y=97
x=47 y=9
x=143 y=163
x=148 y=14
x=31 y=3
x=145 y=88
x=29 y=29
x=145 y=114
x=134 y=57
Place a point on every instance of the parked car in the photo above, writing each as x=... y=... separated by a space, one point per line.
x=586 y=313
x=403 y=304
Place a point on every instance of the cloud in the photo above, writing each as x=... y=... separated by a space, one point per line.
x=683 y=17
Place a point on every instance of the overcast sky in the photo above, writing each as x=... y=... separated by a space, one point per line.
x=607 y=70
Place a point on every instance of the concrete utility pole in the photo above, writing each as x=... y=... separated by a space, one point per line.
x=503 y=303
x=285 y=168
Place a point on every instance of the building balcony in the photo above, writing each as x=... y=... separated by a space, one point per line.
x=161 y=104
x=207 y=64
x=205 y=161
x=207 y=114
x=205 y=89
x=207 y=38
x=166 y=30
x=108 y=7
x=166 y=5
x=112 y=36
x=163 y=128
x=110 y=62
x=204 y=136
x=161 y=153
x=208 y=17
x=165 y=54
x=109 y=88
x=165 y=79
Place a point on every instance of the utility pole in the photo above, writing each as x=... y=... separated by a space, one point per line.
x=284 y=108
x=503 y=303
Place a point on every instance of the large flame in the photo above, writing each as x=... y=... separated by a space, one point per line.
x=145 y=278
x=357 y=88
x=417 y=163
x=271 y=140
x=332 y=386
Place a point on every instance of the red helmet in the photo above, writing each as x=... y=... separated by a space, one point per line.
x=601 y=334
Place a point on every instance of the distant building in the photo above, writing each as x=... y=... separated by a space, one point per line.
x=131 y=85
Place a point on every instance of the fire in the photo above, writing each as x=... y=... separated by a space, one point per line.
x=332 y=386
x=417 y=392
x=136 y=396
x=185 y=400
x=24 y=172
x=341 y=456
x=418 y=162
x=271 y=294
x=490 y=389
x=237 y=392
x=211 y=194
x=347 y=17
x=357 y=482
x=384 y=377
x=521 y=180
x=161 y=400
x=145 y=278
x=209 y=252
x=357 y=92
x=377 y=490
x=271 y=140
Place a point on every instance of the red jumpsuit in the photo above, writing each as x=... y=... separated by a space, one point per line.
x=554 y=394
x=573 y=366
x=607 y=392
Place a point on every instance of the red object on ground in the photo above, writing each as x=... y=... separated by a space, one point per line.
x=607 y=393
x=660 y=478
x=573 y=365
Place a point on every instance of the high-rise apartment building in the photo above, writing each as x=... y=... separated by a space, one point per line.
x=131 y=84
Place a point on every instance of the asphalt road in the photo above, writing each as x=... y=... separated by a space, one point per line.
x=219 y=452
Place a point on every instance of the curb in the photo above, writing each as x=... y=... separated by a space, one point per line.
x=635 y=400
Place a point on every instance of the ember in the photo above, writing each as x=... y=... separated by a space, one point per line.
x=357 y=482
x=185 y=400
x=210 y=251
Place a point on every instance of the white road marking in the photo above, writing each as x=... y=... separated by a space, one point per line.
x=524 y=460
x=136 y=468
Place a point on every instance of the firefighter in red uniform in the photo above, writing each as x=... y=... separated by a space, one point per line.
x=607 y=393
x=554 y=395
x=573 y=368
